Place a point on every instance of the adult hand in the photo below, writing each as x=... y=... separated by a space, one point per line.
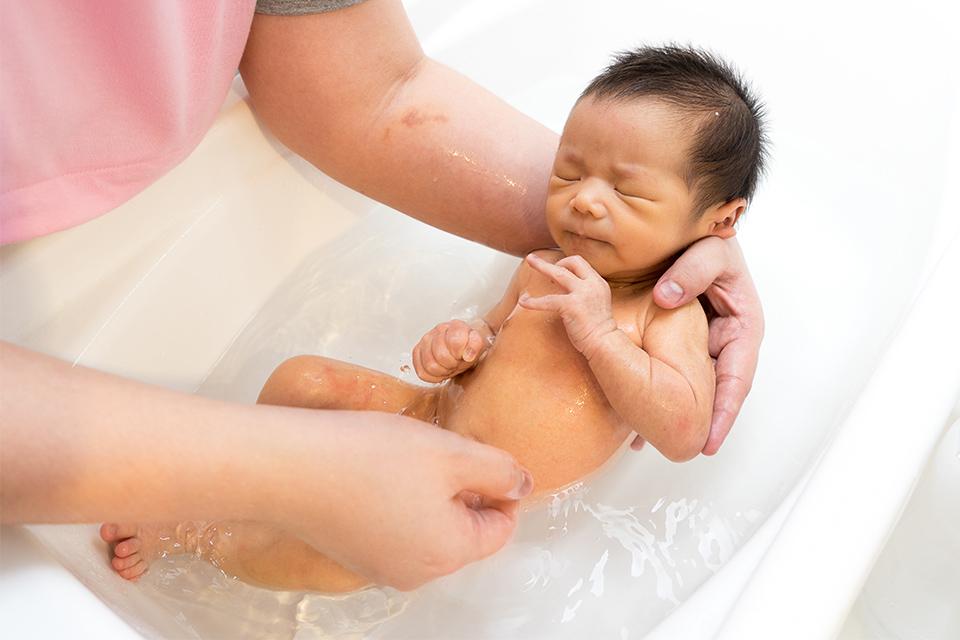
x=403 y=503
x=716 y=268
x=388 y=496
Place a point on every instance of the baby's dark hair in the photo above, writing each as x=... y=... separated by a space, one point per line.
x=729 y=148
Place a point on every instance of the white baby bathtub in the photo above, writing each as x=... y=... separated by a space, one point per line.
x=244 y=255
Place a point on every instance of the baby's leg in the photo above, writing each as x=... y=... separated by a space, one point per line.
x=258 y=552
x=254 y=552
x=314 y=382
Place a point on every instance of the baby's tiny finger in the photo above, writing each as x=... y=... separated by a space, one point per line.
x=559 y=275
x=436 y=370
x=578 y=266
x=543 y=303
x=417 y=357
x=458 y=335
x=441 y=354
x=474 y=346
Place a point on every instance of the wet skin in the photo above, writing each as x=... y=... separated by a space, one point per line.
x=619 y=209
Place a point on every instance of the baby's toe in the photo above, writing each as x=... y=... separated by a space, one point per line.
x=127 y=547
x=122 y=564
x=111 y=531
x=133 y=572
x=108 y=532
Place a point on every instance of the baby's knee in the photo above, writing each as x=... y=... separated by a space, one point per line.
x=295 y=378
x=302 y=365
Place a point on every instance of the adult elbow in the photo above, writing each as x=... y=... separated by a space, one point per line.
x=318 y=85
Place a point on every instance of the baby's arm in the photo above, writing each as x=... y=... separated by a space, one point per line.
x=452 y=347
x=663 y=390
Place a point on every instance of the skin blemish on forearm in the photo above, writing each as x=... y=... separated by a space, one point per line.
x=415 y=117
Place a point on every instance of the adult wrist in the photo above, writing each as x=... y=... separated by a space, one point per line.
x=274 y=444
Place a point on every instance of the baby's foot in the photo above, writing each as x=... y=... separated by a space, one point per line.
x=136 y=546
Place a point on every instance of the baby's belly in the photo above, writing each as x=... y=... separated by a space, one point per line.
x=535 y=397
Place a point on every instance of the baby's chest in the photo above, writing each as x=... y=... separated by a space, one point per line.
x=628 y=310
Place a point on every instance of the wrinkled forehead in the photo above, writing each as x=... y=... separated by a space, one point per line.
x=646 y=133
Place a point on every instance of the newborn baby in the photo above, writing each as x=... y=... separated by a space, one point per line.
x=664 y=148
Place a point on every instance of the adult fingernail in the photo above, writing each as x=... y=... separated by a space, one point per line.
x=468 y=355
x=524 y=486
x=671 y=291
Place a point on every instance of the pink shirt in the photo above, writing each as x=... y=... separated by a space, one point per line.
x=99 y=98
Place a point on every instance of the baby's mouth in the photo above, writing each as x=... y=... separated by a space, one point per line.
x=582 y=237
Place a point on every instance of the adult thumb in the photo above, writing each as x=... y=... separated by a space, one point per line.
x=692 y=273
x=493 y=473
x=495 y=481
x=490 y=527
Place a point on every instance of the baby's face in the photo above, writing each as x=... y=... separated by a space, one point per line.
x=616 y=196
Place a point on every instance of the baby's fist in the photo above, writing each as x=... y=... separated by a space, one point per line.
x=448 y=349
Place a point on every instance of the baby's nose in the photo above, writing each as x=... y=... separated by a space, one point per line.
x=589 y=201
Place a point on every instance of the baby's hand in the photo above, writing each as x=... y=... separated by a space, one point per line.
x=585 y=309
x=448 y=349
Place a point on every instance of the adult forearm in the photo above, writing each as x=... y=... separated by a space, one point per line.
x=400 y=127
x=464 y=160
x=651 y=397
x=77 y=445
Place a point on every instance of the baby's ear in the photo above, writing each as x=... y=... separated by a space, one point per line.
x=723 y=218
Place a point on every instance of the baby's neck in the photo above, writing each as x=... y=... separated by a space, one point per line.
x=640 y=281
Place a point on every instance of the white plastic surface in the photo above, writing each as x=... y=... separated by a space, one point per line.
x=194 y=284
x=914 y=587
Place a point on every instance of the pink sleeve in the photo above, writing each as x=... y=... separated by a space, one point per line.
x=102 y=98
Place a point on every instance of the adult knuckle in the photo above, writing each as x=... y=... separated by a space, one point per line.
x=738 y=385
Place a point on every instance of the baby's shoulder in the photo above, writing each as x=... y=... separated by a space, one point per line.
x=689 y=319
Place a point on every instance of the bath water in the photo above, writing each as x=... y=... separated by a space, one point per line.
x=627 y=543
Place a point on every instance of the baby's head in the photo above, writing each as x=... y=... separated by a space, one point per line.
x=663 y=148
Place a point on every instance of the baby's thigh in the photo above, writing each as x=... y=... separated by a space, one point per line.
x=315 y=382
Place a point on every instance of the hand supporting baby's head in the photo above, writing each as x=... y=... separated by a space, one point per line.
x=665 y=147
